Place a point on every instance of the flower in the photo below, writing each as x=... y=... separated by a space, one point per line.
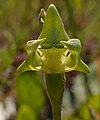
x=53 y=51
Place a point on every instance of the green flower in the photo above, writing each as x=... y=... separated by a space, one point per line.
x=53 y=51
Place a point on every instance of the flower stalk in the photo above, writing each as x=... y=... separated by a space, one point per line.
x=55 y=89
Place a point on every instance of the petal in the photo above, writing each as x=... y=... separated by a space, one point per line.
x=33 y=61
x=53 y=28
x=32 y=45
x=73 y=61
x=74 y=46
x=81 y=66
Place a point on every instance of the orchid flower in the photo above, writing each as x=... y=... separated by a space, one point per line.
x=54 y=53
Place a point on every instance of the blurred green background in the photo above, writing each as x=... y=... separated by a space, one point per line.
x=24 y=98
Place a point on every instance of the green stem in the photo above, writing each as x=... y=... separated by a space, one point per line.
x=56 y=108
x=55 y=89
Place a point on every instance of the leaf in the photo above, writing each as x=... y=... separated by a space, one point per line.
x=25 y=113
x=29 y=90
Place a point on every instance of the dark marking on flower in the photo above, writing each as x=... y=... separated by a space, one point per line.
x=68 y=53
x=39 y=54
